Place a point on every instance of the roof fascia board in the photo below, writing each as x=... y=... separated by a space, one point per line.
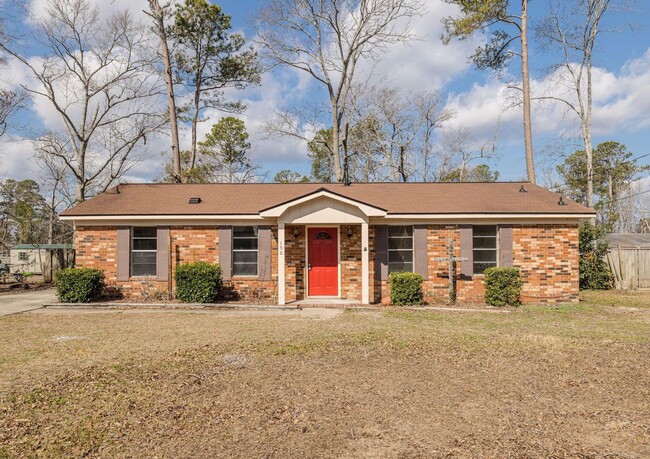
x=408 y=219
x=163 y=219
x=486 y=215
x=367 y=209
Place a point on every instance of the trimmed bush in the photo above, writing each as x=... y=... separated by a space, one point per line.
x=79 y=285
x=405 y=288
x=503 y=286
x=198 y=282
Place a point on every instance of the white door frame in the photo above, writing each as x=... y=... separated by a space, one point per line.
x=338 y=260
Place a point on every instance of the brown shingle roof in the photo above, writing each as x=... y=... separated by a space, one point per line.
x=395 y=198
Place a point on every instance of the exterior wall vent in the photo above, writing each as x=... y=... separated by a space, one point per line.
x=195 y=200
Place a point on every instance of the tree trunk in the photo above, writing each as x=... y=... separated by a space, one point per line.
x=528 y=135
x=195 y=120
x=402 y=166
x=590 y=166
x=336 y=153
x=586 y=131
x=80 y=195
x=159 y=17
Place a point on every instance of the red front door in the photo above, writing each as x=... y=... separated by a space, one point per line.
x=323 y=263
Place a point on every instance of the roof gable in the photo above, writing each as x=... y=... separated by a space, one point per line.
x=368 y=209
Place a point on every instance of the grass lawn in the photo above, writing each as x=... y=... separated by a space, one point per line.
x=540 y=381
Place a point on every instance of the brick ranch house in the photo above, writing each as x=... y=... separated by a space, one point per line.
x=296 y=242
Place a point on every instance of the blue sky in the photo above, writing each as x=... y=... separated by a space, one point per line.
x=621 y=90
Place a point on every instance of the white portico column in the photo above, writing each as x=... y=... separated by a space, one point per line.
x=281 y=264
x=365 y=294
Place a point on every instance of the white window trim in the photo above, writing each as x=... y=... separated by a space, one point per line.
x=133 y=237
x=257 y=250
x=497 y=249
x=412 y=249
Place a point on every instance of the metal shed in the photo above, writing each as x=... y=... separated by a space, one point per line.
x=629 y=260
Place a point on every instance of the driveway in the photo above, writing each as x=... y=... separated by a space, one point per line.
x=26 y=301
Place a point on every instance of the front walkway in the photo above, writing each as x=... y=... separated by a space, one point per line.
x=25 y=301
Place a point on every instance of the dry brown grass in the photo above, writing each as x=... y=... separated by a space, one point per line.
x=566 y=381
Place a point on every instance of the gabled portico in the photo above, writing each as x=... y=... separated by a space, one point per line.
x=323 y=209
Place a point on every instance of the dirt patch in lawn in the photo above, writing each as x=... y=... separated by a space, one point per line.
x=570 y=381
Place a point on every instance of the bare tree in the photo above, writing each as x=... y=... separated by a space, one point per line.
x=433 y=117
x=98 y=76
x=400 y=128
x=57 y=187
x=327 y=39
x=459 y=150
x=159 y=13
x=10 y=103
x=393 y=133
x=573 y=28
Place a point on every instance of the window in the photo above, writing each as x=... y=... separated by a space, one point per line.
x=485 y=248
x=143 y=251
x=244 y=251
x=400 y=249
x=22 y=256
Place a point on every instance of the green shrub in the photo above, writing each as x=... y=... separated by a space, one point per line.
x=503 y=286
x=594 y=270
x=198 y=282
x=79 y=285
x=405 y=288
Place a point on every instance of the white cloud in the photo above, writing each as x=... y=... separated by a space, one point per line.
x=426 y=63
x=621 y=104
x=39 y=8
x=16 y=159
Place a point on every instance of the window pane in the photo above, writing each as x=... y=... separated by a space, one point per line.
x=400 y=243
x=244 y=269
x=144 y=232
x=244 y=231
x=244 y=244
x=400 y=256
x=399 y=267
x=485 y=243
x=394 y=231
x=244 y=257
x=144 y=244
x=322 y=236
x=143 y=263
x=479 y=268
x=485 y=255
x=143 y=257
x=485 y=230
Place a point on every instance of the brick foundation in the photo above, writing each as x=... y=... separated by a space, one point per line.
x=547 y=256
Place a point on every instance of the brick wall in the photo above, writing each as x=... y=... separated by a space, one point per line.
x=547 y=256
x=549 y=261
x=250 y=287
x=294 y=256
x=96 y=247
x=351 y=263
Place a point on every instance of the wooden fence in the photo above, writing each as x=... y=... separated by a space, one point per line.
x=630 y=266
